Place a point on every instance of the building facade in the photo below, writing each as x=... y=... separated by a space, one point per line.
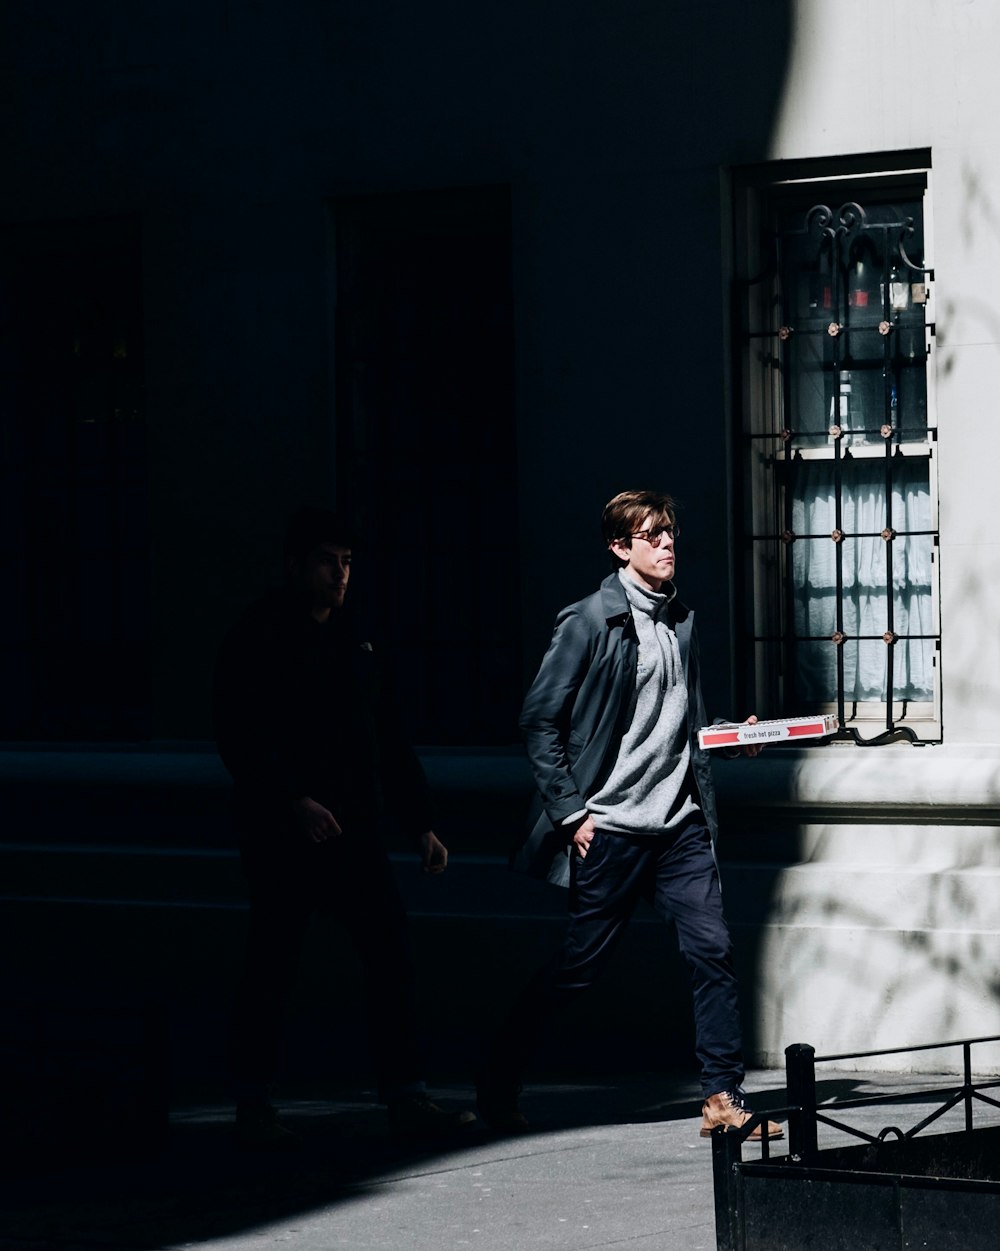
x=467 y=274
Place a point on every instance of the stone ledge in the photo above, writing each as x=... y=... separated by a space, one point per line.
x=197 y=764
x=901 y=777
x=937 y=779
x=903 y=896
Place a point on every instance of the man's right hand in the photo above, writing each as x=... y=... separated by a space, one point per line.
x=583 y=836
x=316 y=823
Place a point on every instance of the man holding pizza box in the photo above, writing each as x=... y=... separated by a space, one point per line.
x=626 y=808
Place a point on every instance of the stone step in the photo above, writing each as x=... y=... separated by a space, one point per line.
x=851 y=986
x=792 y=839
x=864 y=896
x=120 y=874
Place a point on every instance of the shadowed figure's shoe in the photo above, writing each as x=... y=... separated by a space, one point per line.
x=257 y=1128
x=496 y=1103
x=729 y=1109
x=417 y=1116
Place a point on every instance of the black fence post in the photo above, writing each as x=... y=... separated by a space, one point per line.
x=727 y=1152
x=800 y=1080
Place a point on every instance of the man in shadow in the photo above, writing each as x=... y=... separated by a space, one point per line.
x=307 y=728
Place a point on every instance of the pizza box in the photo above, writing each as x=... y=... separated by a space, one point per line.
x=760 y=733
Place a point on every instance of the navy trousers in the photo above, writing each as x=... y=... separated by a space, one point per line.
x=678 y=876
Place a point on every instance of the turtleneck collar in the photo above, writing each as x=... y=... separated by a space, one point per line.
x=644 y=599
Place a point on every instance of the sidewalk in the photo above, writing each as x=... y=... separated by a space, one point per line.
x=607 y=1165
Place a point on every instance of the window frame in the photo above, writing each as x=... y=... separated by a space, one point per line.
x=767 y=643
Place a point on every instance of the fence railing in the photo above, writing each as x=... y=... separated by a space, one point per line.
x=805 y=1114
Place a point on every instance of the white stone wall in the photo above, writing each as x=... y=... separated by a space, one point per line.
x=921 y=74
x=884 y=930
x=864 y=895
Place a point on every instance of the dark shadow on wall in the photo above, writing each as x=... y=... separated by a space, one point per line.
x=586 y=97
x=426 y=454
x=74 y=640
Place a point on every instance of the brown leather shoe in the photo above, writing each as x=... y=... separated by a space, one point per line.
x=729 y=1108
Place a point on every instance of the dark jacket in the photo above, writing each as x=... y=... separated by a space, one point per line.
x=303 y=709
x=572 y=719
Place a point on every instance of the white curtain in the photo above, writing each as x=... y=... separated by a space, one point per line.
x=867 y=582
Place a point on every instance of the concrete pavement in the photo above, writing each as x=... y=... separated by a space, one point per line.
x=607 y=1165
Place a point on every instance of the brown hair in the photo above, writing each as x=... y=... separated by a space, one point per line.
x=624 y=514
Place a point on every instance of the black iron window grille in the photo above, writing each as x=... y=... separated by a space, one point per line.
x=839 y=439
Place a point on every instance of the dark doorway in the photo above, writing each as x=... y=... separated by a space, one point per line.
x=73 y=536
x=426 y=453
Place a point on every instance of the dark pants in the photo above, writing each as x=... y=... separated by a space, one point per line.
x=677 y=874
x=350 y=878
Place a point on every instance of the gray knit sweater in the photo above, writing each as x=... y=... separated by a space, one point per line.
x=647 y=791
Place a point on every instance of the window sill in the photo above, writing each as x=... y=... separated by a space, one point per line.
x=932 y=779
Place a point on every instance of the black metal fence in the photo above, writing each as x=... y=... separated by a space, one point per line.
x=889 y=1190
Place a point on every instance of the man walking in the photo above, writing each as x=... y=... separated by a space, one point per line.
x=308 y=730
x=628 y=810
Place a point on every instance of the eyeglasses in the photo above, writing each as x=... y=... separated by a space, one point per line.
x=654 y=537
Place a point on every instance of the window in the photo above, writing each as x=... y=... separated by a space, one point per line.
x=426 y=455
x=74 y=660
x=837 y=431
